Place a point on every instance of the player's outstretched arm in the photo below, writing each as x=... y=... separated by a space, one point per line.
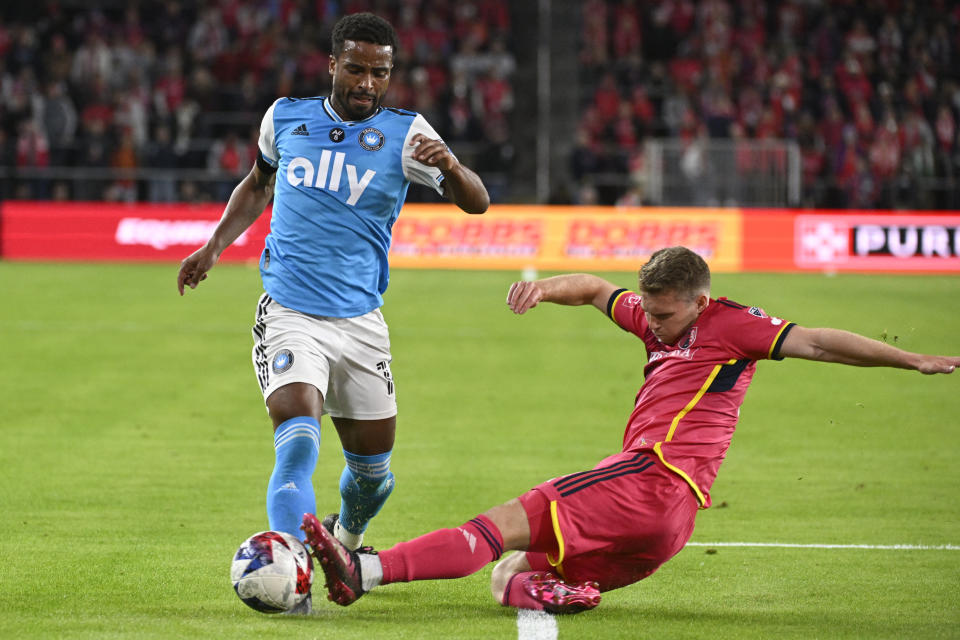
x=844 y=347
x=461 y=185
x=246 y=203
x=572 y=289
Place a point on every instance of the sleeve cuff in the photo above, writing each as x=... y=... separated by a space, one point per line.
x=775 y=349
x=612 y=301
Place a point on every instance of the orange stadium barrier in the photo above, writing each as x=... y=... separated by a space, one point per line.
x=519 y=236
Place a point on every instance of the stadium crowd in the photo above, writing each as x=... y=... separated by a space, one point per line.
x=172 y=84
x=870 y=91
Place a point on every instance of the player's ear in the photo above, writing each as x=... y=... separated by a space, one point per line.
x=332 y=67
x=702 y=301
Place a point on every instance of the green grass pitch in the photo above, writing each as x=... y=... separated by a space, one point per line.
x=135 y=452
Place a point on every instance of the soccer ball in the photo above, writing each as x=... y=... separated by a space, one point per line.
x=272 y=572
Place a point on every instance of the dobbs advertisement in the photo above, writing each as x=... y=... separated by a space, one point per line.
x=561 y=238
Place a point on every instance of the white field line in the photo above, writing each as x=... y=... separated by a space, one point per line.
x=792 y=545
x=540 y=625
x=536 y=625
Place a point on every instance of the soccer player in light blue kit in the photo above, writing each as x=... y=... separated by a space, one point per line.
x=338 y=169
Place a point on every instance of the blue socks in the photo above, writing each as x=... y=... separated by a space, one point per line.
x=290 y=492
x=365 y=484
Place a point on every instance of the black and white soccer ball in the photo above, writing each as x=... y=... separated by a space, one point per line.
x=272 y=572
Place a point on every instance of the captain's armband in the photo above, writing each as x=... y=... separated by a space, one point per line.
x=265 y=166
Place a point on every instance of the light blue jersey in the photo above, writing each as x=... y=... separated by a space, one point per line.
x=340 y=185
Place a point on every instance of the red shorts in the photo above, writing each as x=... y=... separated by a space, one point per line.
x=615 y=524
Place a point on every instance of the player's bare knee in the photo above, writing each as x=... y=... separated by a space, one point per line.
x=504 y=570
x=499 y=578
x=293 y=400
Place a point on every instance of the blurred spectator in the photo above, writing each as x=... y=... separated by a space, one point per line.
x=191 y=193
x=33 y=151
x=171 y=86
x=91 y=60
x=124 y=159
x=587 y=195
x=633 y=196
x=585 y=160
x=161 y=156
x=130 y=113
x=94 y=152
x=606 y=98
x=208 y=36
x=917 y=145
x=229 y=160
x=58 y=117
x=594 y=51
x=7 y=150
x=57 y=60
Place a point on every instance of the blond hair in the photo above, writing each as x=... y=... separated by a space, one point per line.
x=675 y=269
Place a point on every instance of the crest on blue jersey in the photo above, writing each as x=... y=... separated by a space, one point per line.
x=337 y=134
x=371 y=139
x=282 y=361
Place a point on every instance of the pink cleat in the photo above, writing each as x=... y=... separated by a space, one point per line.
x=559 y=597
x=340 y=565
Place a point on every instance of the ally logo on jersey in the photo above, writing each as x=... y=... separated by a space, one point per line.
x=327 y=174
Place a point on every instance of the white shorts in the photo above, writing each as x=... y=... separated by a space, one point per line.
x=347 y=359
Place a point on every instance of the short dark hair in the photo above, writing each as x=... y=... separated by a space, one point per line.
x=363 y=27
x=675 y=269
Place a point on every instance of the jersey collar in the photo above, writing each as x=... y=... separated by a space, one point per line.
x=328 y=108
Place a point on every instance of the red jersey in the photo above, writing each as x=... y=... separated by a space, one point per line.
x=687 y=409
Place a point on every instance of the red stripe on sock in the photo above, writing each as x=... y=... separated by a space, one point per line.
x=445 y=553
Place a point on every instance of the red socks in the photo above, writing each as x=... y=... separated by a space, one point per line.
x=515 y=596
x=445 y=553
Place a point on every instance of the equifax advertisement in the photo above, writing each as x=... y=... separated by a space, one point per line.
x=518 y=237
x=100 y=231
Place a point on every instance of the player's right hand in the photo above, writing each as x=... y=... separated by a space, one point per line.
x=193 y=269
x=524 y=296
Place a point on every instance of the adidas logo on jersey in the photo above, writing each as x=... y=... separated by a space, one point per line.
x=300 y=171
x=301 y=131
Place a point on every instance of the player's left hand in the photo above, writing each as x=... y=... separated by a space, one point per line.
x=930 y=365
x=433 y=153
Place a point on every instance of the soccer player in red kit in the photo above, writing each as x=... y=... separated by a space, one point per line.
x=611 y=526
